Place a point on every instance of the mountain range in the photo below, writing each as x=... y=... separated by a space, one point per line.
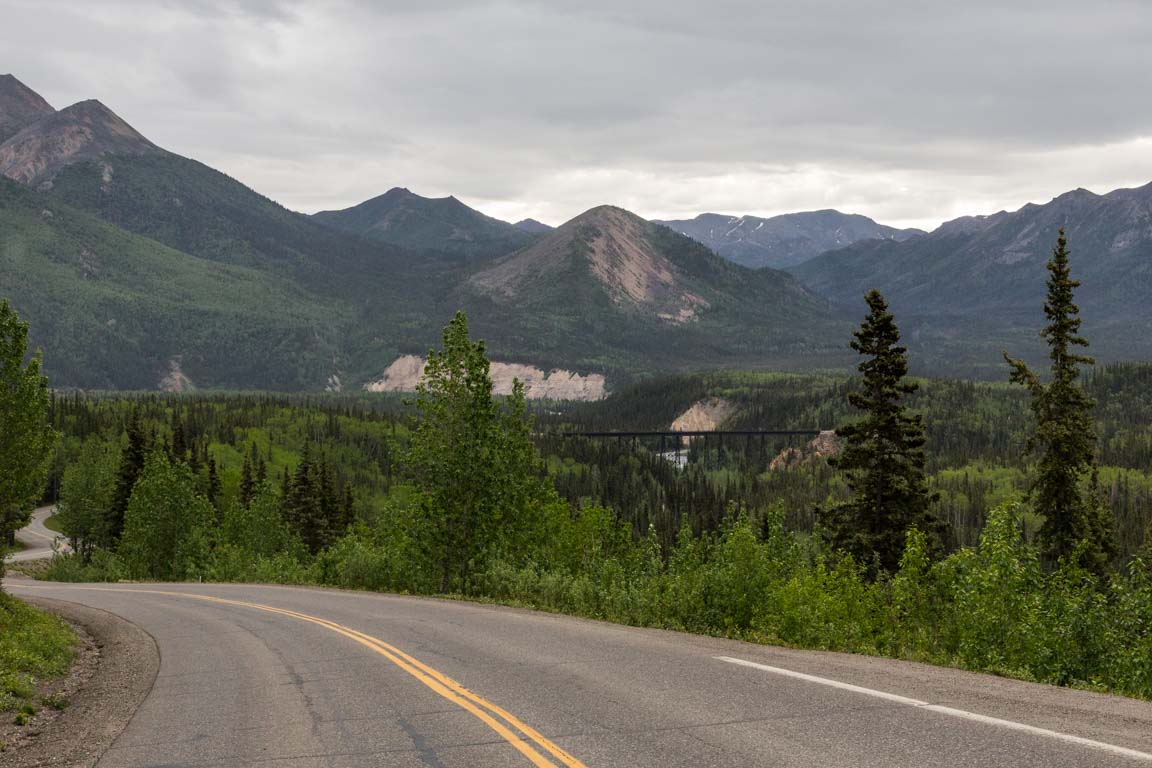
x=786 y=240
x=111 y=240
x=140 y=268
x=988 y=272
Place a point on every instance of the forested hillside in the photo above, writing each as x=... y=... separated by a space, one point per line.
x=976 y=439
x=116 y=310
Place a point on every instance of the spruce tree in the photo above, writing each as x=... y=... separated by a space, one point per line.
x=883 y=457
x=247 y=483
x=213 y=484
x=1076 y=525
x=131 y=465
x=179 y=443
x=304 y=506
x=347 y=508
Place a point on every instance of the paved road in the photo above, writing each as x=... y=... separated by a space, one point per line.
x=36 y=537
x=303 y=678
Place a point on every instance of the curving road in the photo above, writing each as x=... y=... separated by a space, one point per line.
x=302 y=678
x=37 y=539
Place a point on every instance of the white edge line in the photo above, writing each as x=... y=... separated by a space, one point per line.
x=939 y=708
x=825 y=681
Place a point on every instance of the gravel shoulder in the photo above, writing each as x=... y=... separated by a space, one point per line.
x=113 y=673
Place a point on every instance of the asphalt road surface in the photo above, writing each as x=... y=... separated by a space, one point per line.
x=36 y=537
x=297 y=678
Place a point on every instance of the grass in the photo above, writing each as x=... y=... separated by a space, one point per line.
x=33 y=569
x=53 y=524
x=34 y=647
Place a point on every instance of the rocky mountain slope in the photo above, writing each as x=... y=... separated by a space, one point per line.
x=654 y=298
x=403 y=218
x=613 y=248
x=19 y=106
x=84 y=131
x=783 y=241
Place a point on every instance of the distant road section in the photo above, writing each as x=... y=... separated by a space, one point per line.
x=37 y=538
x=291 y=677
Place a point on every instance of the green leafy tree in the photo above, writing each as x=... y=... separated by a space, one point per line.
x=1064 y=489
x=26 y=438
x=167 y=524
x=883 y=456
x=86 y=496
x=480 y=490
x=258 y=528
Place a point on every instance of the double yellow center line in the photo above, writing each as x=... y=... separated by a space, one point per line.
x=539 y=750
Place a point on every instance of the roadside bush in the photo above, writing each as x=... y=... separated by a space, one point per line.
x=103 y=566
x=230 y=563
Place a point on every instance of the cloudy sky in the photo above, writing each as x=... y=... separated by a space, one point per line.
x=909 y=111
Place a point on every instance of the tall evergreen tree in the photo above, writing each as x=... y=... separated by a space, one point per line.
x=212 y=484
x=883 y=456
x=26 y=438
x=304 y=508
x=131 y=465
x=1064 y=489
x=179 y=443
x=247 y=483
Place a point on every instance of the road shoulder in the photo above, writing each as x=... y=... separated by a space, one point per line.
x=124 y=668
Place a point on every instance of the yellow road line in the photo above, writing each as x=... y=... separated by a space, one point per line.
x=37 y=534
x=487 y=712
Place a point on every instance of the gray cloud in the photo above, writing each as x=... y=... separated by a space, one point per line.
x=909 y=111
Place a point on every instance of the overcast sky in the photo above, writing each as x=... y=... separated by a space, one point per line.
x=909 y=111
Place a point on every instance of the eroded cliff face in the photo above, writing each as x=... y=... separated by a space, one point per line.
x=823 y=446
x=704 y=416
x=405 y=373
x=174 y=379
